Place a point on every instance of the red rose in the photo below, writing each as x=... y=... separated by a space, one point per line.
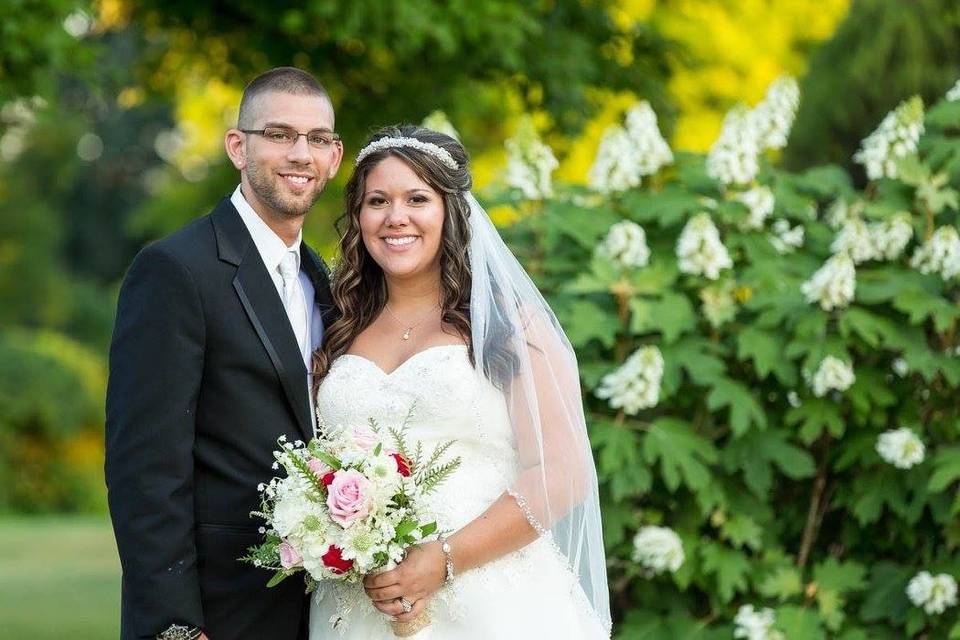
x=327 y=479
x=333 y=559
x=402 y=466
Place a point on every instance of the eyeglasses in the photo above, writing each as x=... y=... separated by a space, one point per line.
x=288 y=136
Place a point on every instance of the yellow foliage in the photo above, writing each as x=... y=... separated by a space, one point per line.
x=111 y=14
x=733 y=51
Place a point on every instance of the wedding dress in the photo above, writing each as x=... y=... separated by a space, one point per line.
x=529 y=594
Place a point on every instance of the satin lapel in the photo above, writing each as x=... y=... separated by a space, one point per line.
x=263 y=306
x=320 y=277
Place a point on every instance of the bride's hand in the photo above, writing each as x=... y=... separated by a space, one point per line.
x=420 y=574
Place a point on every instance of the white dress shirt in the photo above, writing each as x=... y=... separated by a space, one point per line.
x=272 y=249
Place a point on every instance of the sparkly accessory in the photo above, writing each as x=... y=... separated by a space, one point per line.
x=179 y=632
x=405 y=605
x=445 y=547
x=436 y=151
x=410 y=328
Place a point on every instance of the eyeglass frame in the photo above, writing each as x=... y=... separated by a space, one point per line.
x=262 y=132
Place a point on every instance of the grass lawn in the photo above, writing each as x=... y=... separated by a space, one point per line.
x=59 y=578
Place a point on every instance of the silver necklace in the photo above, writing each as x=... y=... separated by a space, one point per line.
x=409 y=328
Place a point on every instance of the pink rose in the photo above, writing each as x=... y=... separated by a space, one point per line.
x=319 y=467
x=348 y=497
x=289 y=556
x=365 y=438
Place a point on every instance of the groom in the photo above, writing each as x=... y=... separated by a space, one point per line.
x=208 y=366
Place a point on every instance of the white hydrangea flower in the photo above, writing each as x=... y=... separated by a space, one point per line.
x=832 y=374
x=438 y=121
x=840 y=212
x=636 y=384
x=627 y=154
x=652 y=150
x=901 y=448
x=833 y=285
x=719 y=305
x=774 y=116
x=733 y=158
x=892 y=236
x=895 y=138
x=626 y=243
x=753 y=624
x=615 y=167
x=954 y=93
x=658 y=549
x=759 y=201
x=793 y=398
x=785 y=239
x=700 y=250
x=934 y=593
x=530 y=163
x=856 y=240
x=940 y=254
x=900 y=367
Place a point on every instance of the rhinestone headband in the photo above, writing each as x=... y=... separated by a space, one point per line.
x=436 y=151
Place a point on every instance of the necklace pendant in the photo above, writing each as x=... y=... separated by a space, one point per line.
x=406 y=334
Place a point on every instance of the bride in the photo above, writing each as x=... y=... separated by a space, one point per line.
x=437 y=314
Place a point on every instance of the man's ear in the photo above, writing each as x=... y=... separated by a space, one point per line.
x=335 y=165
x=235 y=142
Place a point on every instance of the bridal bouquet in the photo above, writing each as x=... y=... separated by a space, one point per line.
x=351 y=504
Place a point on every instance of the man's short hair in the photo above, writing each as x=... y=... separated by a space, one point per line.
x=279 y=80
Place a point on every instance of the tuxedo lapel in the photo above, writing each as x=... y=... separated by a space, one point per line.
x=264 y=309
x=320 y=277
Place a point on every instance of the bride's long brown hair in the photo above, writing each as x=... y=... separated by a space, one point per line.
x=359 y=287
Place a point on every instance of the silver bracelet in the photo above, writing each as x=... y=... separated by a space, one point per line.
x=445 y=547
x=179 y=632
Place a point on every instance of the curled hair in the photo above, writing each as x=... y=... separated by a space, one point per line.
x=359 y=287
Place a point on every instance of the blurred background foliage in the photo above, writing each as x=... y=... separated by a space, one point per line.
x=112 y=114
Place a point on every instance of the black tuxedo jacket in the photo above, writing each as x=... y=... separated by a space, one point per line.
x=205 y=374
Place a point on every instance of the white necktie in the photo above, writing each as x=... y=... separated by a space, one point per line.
x=293 y=297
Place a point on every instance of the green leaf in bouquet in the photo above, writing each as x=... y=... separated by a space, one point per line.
x=328 y=459
x=683 y=454
x=404 y=528
x=729 y=567
x=814 y=415
x=744 y=408
x=946 y=464
x=766 y=351
x=428 y=529
x=277 y=578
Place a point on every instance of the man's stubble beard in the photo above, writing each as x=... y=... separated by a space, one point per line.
x=268 y=192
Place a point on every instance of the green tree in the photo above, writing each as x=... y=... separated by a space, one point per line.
x=881 y=52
